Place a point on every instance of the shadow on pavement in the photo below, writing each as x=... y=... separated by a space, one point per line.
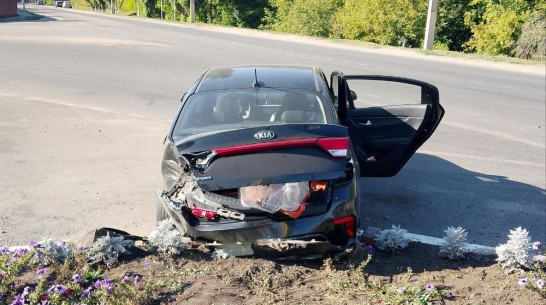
x=430 y=194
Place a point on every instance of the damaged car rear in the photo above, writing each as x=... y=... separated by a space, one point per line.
x=268 y=157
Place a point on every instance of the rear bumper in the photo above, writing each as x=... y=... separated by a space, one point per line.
x=312 y=234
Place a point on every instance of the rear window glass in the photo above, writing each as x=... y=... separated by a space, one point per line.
x=235 y=109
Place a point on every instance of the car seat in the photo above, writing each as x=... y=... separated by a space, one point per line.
x=227 y=109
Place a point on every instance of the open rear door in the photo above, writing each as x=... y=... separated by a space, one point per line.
x=388 y=118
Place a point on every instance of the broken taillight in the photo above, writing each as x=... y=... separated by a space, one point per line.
x=349 y=223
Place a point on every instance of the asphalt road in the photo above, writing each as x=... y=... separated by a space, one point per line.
x=86 y=99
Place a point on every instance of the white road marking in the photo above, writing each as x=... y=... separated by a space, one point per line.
x=474 y=248
x=437 y=153
x=476 y=82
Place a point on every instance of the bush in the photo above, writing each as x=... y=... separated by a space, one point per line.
x=384 y=22
x=304 y=17
x=496 y=25
x=531 y=43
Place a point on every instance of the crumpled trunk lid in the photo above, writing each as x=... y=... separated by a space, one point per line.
x=238 y=158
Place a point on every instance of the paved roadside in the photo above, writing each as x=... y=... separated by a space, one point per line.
x=538 y=69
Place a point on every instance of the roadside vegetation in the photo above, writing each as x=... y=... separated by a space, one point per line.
x=169 y=269
x=515 y=28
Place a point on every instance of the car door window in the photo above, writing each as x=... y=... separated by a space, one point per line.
x=388 y=119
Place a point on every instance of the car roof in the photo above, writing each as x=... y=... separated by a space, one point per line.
x=263 y=76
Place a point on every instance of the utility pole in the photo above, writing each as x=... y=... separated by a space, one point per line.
x=174 y=10
x=161 y=17
x=138 y=8
x=23 y=5
x=192 y=11
x=431 y=24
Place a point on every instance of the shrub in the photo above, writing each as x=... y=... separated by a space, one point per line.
x=108 y=248
x=392 y=239
x=514 y=254
x=531 y=43
x=495 y=25
x=454 y=244
x=167 y=239
x=305 y=17
x=384 y=22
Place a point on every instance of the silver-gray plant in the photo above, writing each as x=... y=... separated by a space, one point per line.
x=514 y=255
x=108 y=248
x=392 y=239
x=167 y=239
x=454 y=243
x=51 y=249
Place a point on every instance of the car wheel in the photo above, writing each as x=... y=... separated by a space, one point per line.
x=160 y=212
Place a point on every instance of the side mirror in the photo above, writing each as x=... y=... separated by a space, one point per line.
x=353 y=95
x=183 y=96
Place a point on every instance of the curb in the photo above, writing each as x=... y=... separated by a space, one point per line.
x=369 y=234
x=434 y=241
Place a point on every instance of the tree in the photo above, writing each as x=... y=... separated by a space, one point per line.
x=451 y=30
x=496 y=24
x=531 y=43
x=306 y=17
x=384 y=22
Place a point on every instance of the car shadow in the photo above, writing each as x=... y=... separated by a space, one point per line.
x=430 y=194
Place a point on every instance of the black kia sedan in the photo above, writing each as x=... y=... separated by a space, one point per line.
x=270 y=156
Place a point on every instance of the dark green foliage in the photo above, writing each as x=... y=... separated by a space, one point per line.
x=150 y=8
x=242 y=13
x=451 y=29
x=531 y=43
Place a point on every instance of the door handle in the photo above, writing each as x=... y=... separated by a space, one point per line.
x=368 y=123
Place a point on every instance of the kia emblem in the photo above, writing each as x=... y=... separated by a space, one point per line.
x=264 y=135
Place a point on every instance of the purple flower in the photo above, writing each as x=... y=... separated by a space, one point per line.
x=4 y=250
x=86 y=292
x=540 y=284
x=77 y=278
x=137 y=279
x=17 y=300
x=537 y=245
x=38 y=256
x=1 y=294
x=370 y=249
x=81 y=248
x=16 y=254
x=42 y=271
x=523 y=282
x=401 y=289
x=32 y=243
x=429 y=287
x=537 y=261
x=107 y=284
x=25 y=292
x=147 y=264
x=125 y=279
x=98 y=284
x=363 y=244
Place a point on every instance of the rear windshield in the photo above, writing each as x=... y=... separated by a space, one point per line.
x=226 y=110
